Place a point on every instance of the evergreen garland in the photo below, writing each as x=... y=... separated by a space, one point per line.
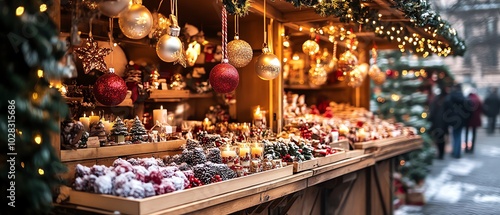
x=237 y=7
x=30 y=43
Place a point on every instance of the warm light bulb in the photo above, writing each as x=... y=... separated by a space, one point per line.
x=38 y=139
x=43 y=8
x=19 y=11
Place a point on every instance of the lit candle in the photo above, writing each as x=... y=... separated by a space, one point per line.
x=206 y=124
x=160 y=115
x=86 y=122
x=93 y=119
x=244 y=150
x=257 y=150
x=361 y=134
x=228 y=152
x=343 y=130
x=258 y=114
x=107 y=126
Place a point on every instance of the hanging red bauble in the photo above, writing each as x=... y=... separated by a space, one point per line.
x=110 y=89
x=224 y=78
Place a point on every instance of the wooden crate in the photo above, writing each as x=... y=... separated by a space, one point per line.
x=162 y=202
x=318 y=161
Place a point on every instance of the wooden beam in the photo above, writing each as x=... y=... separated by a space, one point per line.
x=271 y=12
x=306 y=15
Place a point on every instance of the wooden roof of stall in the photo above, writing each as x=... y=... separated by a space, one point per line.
x=427 y=26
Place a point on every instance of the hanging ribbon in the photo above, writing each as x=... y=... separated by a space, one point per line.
x=224 y=35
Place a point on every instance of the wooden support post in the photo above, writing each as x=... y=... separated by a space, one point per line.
x=379 y=189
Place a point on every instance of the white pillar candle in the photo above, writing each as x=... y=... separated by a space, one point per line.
x=86 y=122
x=160 y=115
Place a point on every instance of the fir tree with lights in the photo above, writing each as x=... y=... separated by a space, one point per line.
x=404 y=97
x=30 y=108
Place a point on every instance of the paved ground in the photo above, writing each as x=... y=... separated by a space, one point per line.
x=469 y=185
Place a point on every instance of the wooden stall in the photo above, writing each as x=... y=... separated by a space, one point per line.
x=357 y=181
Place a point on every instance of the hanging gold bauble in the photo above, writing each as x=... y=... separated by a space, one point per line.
x=318 y=75
x=374 y=70
x=355 y=78
x=239 y=52
x=380 y=78
x=169 y=45
x=160 y=28
x=136 y=22
x=363 y=69
x=268 y=66
x=347 y=61
x=112 y=8
x=310 y=47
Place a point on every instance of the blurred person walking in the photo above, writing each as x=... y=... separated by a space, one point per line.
x=456 y=115
x=439 y=128
x=475 y=108
x=491 y=108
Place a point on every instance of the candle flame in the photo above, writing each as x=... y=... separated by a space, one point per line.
x=84 y=115
x=161 y=107
x=206 y=120
x=92 y=113
x=257 y=111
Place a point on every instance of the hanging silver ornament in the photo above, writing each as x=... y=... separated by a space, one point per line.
x=136 y=22
x=112 y=8
x=169 y=47
x=268 y=66
x=239 y=52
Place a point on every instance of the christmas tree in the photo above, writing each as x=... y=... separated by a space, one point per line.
x=119 y=130
x=137 y=131
x=404 y=97
x=31 y=109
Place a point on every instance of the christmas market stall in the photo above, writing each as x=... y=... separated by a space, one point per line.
x=232 y=106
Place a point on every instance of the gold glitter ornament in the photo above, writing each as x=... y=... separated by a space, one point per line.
x=355 y=78
x=268 y=66
x=239 y=52
x=347 y=61
x=136 y=22
x=92 y=56
x=310 y=47
x=318 y=75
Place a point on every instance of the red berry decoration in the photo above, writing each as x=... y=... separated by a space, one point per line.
x=110 y=89
x=224 y=78
x=216 y=178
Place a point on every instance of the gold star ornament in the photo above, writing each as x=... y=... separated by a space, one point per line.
x=92 y=56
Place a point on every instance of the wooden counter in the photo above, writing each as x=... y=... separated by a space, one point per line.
x=352 y=175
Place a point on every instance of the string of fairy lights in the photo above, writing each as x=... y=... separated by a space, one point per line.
x=439 y=37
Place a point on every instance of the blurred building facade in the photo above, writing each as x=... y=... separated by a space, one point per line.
x=477 y=21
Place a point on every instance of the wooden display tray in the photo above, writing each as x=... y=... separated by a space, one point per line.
x=355 y=153
x=167 y=94
x=120 y=150
x=378 y=143
x=165 y=201
x=318 y=161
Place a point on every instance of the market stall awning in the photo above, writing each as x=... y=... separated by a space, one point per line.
x=405 y=25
